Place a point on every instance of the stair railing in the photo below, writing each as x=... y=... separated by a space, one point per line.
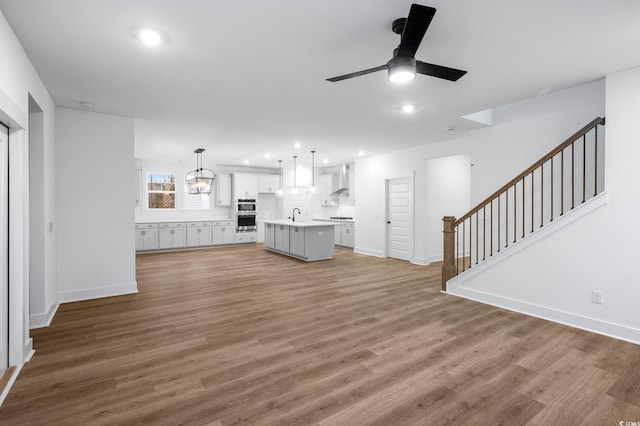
x=567 y=176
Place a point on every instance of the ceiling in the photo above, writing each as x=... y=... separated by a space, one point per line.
x=245 y=78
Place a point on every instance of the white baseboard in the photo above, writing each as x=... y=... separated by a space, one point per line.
x=594 y=325
x=463 y=284
x=422 y=261
x=28 y=349
x=434 y=258
x=44 y=320
x=96 y=293
x=10 y=383
x=376 y=253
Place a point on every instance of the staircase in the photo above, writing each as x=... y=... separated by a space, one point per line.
x=566 y=177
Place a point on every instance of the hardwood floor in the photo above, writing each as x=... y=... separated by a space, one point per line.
x=239 y=335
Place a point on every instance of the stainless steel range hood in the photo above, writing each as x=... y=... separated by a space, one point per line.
x=343 y=183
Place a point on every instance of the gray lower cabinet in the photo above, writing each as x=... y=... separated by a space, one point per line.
x=246 y=237
x=177 y=235
x=303 y=241
x=198 y=234
x=345 y=234
x=223 y=233
x=281 y=238
x=146 y=236
x=269 y=234
x=348 y=236
x=172 y=235
x=296 y=241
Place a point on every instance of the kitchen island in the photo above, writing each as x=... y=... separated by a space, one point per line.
x=306 y=240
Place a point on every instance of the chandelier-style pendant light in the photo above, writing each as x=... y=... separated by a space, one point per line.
x=200 y=181
x=280 y=191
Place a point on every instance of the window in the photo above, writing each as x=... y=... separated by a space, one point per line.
x=161 y=190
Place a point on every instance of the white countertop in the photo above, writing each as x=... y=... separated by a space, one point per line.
x=218 y=219
x=335 y=220
x=299 y=223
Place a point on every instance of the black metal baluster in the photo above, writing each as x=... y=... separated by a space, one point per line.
x=532 y=203
x=595 y=172
x=523 y=207
x=491 y=230
x=541 y=195
x=506 y=219
x=464 y=241
x=573 y=175
x=458 y=249
x=515 y=213
x=561 y=182
x=498 y=224
x=551 y=180
x=477 y=238
x=484 y=232
x=584 y=167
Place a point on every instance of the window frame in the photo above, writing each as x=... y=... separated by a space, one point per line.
x=148 y=191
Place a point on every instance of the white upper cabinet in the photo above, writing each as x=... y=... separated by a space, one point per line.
x=245 y=185
x=223 y=190
x=268 y=184
x=326 y=184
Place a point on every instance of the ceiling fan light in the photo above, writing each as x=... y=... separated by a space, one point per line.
x=401 y=69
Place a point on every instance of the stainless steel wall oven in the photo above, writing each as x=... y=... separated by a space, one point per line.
x=246 y=222
x=246 y=212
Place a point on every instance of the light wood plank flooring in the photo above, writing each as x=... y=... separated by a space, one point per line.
x=239 y=335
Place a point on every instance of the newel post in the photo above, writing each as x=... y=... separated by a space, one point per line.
x=448 y=262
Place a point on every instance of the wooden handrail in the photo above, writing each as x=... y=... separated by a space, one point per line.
x=597 y=121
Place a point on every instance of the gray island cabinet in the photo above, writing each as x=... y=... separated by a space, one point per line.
x=306 y=240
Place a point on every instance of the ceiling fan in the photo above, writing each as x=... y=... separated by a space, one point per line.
x=403 y=66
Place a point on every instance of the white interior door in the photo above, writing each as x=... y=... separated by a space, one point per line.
x=4 y=249
x=399 y=218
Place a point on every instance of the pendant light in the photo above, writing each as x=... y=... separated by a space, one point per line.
x=313 y=189
x=200 y=181
x=294 y=191
x=280 y=191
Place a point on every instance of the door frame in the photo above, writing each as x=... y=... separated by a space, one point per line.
x=20 y=342
x=412 y=180
x=4 y=250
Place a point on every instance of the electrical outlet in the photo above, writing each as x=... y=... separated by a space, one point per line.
x=596 y=297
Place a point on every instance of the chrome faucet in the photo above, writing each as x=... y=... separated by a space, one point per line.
x=293 y=214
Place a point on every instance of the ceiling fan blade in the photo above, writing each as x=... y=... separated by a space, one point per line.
x=416 y=26
x=357 y=74
x=439 y=71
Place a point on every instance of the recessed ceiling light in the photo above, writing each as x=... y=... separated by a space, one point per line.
x=246 y=162
x=408 y=108
x=361 y=153
x=151 y=38
x=325 y=161
x=297 y=145
x=267 y=155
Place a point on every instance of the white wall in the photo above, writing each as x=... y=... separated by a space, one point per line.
x=447 y=193
x=554 y=278
x=371 y=174
x=18 y=80
x=95 y=200
x=521 y=134
x=525 y=131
